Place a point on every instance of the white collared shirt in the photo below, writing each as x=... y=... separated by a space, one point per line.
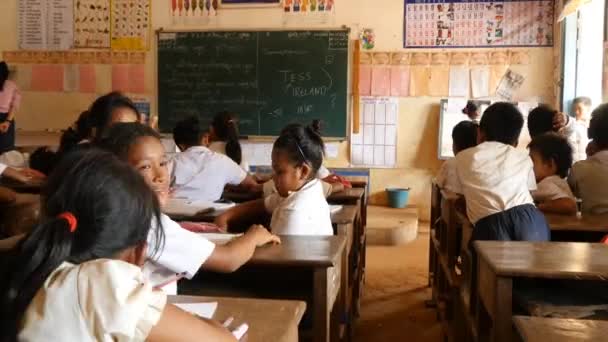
x=201 y=174
x=447 y=177
x=220 y=147
x=2 y=168
x=302 y=212
x=494 y=177
x=99 y=300
x=589 y=182
x=552 y=188
x=183 y=252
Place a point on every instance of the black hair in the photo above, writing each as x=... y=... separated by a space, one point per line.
x=553 y=146
x=303 y=145
x=114 y=208
x=464 y=135
x=43 y=160
x=598 y=126
x=540 y=120
x=471 y=107
x=188 y=132
x=584 y=100
x=225 y=127
x=119 y=138
x=502 y=122
x=3 y=74
x=79 y=131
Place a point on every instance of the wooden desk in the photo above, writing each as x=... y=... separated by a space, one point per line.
x=500 y=262
x=587 y=223
x=537 y=329
x=240 y=197
x=31 y=187
x=346 y=196
x=268 y=320
x=318 y=263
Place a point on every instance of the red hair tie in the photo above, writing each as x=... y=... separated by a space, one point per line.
x=68 y=216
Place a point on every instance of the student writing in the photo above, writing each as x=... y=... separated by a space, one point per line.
x=201 y=174
x=299 y=206
x=77 y=276
x=183 y=251
x=552 y=157
x=496 y=178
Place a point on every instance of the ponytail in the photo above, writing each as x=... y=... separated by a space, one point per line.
x=81 y=130
x=3 y=74
x=225 y=127
x=27 y=267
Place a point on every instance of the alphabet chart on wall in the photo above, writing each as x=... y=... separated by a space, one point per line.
x=130 y=24
x=467 y=23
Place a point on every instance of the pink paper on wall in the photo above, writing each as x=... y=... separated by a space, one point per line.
x=120 y=77
x=365 y=80
x=47 y=77
x=400 y=81
x=137 y=80
x=88 y=80
x=381 y=81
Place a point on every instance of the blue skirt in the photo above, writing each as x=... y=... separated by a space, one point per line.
x=7 y=139
x=521 y=223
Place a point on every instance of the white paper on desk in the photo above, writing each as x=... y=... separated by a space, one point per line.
x=480 y=82
x=334 y=208
x=180 y=206
x=459 y=81
x=219 y=238
x=204 y=310
x=331 y=150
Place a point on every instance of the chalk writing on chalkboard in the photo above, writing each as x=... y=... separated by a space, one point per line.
x=270 y=79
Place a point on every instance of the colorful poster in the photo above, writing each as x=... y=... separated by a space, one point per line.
x=464 y=23
x=92 y=23
x=130 y=24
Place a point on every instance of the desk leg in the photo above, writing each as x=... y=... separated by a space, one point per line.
x=494 y=304
x=321 y=309
x=501 y=321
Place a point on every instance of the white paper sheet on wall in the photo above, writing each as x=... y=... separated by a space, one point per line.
x=480 y=82
x=376 y=143
x=331 y=150
x=459 y=81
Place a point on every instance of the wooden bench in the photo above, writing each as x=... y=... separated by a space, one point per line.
x=535 y=329
x=268 y=320
x=499 y=263
x=307 y=268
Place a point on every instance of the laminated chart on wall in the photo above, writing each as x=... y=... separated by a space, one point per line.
x=431 y=23
x=130 y=24
x=92 y=23
x=376 y=143
x=46 y=25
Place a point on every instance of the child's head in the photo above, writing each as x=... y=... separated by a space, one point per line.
x=110 y=109
x=43 y=160
x=297 y=155
x=4 y=73
x=94 y=207
x=581 y=107
x=187 y=133
x=540 y=120
x=471 y=110
x=551 y=154
x=464 y=135
x=501 y=122
x=224 y=127
x=598 y=127
x=140 y=147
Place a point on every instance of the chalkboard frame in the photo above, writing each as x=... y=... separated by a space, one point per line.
x=349 y=86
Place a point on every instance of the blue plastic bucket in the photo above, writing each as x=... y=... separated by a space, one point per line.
x=398 y=197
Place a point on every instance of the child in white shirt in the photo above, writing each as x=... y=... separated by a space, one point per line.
x=77 y=276
x=200 y=174
x=183 y=252
x=579 y=139
x=299 y=206
x=496 y=178
x=224 y=138
x=464 y=136
x=589 y=178
x=552 y=157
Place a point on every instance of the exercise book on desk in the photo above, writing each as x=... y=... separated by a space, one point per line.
x=219 y=238
x=334 y=208
x=204 y=310
x=180 y=206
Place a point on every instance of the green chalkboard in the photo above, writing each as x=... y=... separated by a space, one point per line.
x=269 y=78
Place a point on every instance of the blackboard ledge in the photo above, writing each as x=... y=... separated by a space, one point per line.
x=255 y=29
x=265 y=138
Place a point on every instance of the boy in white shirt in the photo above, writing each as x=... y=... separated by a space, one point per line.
x=496 y=178
x=464 y=136
x=589 y=178
x=552 y=157
x=581 y=106
x=201 y=174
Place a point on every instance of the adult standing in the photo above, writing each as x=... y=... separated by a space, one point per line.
x=10 y=99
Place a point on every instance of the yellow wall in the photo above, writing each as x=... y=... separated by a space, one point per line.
x=419 y=117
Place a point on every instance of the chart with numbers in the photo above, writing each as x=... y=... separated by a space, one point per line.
x=445 y=24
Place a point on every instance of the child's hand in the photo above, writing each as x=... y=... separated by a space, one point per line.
x=262 y=235
x=221 y=222
x=33 y=174
x=560 y=120
x=5 y=126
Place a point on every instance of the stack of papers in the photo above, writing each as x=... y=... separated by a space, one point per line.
x=184 y=207
x=219 y=238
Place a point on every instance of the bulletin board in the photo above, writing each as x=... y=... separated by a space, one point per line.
x=466 y=24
